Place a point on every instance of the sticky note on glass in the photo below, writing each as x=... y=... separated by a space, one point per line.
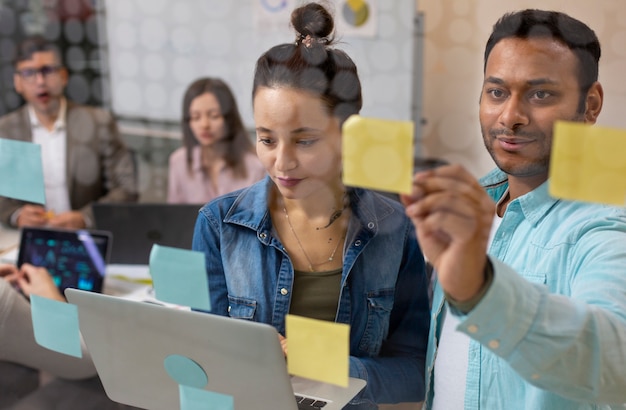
x=318 y=350
x=179 y=276
x=22 y=171
x=55 y=325
x=378 y=154
x=588 y=163
x=192 y=398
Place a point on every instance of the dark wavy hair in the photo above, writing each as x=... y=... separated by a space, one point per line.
x=576 y=35
x=311 y=64
x=236 y=139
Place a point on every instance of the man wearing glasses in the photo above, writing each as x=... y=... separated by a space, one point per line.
x=84 y=159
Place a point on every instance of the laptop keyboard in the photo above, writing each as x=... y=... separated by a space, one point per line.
x=310 y=404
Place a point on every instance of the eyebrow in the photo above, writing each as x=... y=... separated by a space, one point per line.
x=534 y=82
x=297 y=131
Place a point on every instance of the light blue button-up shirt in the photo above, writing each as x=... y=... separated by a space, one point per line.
x=550 y=333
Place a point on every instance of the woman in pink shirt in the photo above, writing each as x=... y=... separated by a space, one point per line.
x=217 y=155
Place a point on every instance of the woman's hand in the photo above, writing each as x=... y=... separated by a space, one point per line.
x=34 y=280
x=283 y=343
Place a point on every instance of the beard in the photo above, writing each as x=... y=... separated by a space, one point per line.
x=524 y=163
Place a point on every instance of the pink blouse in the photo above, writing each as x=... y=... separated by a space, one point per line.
x=195 y=188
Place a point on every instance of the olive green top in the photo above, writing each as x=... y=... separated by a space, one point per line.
x=316 y=294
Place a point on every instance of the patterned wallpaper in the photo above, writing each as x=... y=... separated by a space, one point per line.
x=455 y=35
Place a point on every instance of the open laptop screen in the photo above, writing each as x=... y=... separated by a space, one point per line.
x=74 y=258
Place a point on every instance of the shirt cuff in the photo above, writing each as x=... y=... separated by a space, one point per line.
x=14 y=216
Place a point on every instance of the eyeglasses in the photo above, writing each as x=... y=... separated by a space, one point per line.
x=29 y=74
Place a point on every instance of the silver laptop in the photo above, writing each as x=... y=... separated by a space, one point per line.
x=137 y=226
x=130 y=340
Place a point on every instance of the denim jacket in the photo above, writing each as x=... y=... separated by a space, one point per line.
x=550 y=331
x=383 y=287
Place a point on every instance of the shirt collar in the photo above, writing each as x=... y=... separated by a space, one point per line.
x=58 y=125
x=534 y=204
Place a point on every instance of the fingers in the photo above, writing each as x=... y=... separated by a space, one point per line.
x=37 y=281
x=7 y=270
x=72 y=219
x=283 y=343
x=32 y=215
x=449 y=199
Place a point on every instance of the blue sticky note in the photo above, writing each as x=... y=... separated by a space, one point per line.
x=56 y=325
x=192 y=398
x=179 y=276
x=22 y=171
x=185 y=371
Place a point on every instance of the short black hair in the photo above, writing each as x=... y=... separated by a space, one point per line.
x=35 y=44
x=576 y=35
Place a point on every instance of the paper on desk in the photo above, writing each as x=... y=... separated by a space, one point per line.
x=378 y=154
x=179 y=276
x=192 y=398
x=588 y=163
x=21 y=171
x=55 y=325
x=318 y=349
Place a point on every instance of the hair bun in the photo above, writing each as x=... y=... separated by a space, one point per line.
x=313 y=23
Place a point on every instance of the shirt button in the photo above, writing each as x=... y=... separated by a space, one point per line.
x=228 y=309
x=263 y=235
x=472 y=328
x=371 y=225
x=494 y=344
x=357 y=243
x=284 y=291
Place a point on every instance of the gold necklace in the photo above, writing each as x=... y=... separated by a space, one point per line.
x=293 y=231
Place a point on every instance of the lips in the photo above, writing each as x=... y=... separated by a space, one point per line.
x=288 y=182
x=43 y=96
x=512 y=143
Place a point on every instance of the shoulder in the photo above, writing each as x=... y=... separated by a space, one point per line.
x=373 y=204
x=178 y=156
x=9 y=122
x=582 y=217
x=81 y=112
x=246 y=206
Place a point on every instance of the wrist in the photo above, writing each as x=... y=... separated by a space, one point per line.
x=465 y=306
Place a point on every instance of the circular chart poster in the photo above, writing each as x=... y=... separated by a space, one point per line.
x=357 y=18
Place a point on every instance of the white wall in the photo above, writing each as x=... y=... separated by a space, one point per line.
x=455 y=35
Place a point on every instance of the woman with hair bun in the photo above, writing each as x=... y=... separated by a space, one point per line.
x=301 y=242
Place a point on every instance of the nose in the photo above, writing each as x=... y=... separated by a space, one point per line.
x=205 y=121
x=285 y=158
x=513 y=114
x=39 y=77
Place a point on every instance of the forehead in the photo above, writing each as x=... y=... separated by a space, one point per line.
x=205 y=101
x=532 y=58
x=288 y=105
x=40 y=58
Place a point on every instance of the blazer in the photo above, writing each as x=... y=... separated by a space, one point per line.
x=99 y=165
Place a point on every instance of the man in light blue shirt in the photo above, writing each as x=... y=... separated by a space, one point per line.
x=529 y=308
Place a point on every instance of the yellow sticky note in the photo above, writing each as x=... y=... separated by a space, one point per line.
x=378 y=154
x=588 y=163
x=318 y=350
